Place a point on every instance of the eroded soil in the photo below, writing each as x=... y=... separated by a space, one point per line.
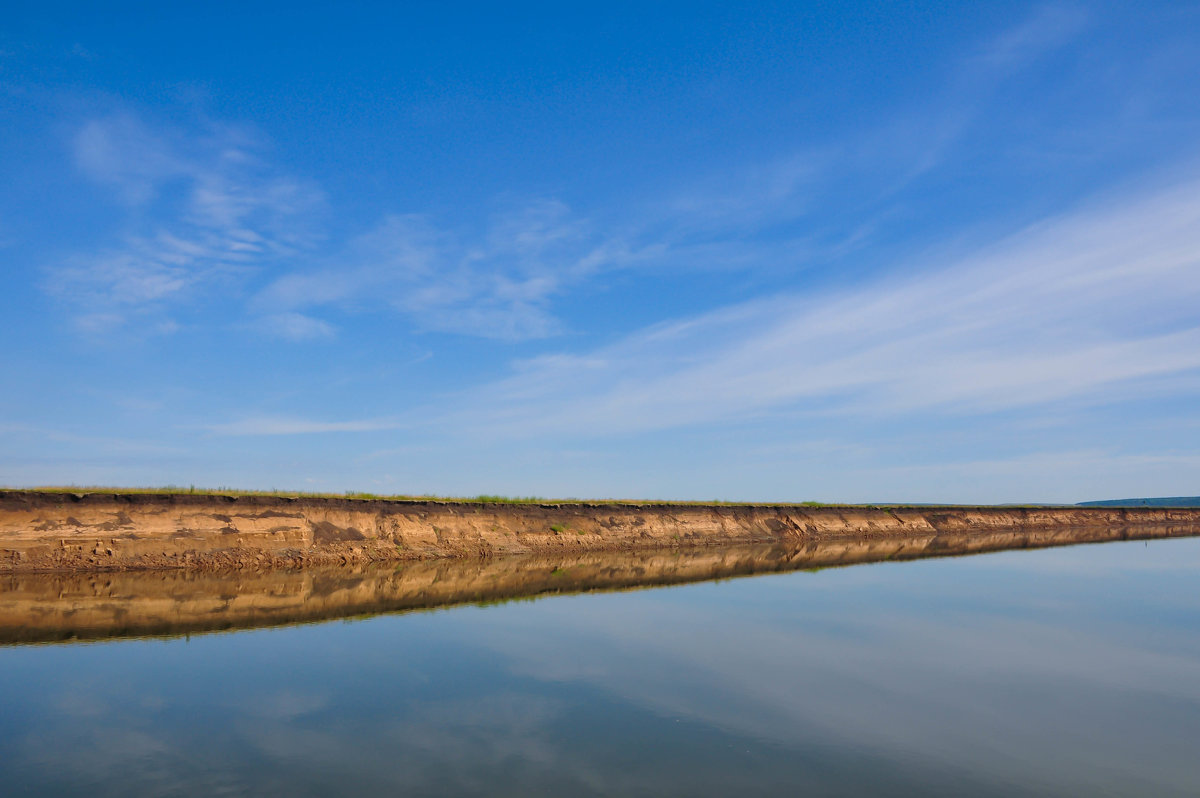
x=101 y=532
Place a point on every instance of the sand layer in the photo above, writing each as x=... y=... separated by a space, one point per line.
x=105 y=532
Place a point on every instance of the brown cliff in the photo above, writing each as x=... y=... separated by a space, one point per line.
x=46 y=531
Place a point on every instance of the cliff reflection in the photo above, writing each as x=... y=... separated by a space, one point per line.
x=42 y=608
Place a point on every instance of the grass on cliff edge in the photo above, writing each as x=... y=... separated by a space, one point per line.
x=175 y=490
x=485 y=498
x=192 y=490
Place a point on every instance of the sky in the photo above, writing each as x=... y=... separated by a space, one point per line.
x=929 y=252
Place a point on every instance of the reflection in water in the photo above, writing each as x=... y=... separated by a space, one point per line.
x=1069 y=671
x=62 y=607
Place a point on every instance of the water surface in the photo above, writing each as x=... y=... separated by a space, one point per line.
x=1054 y=672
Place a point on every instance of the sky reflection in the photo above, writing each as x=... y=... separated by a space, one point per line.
x=1061 y=671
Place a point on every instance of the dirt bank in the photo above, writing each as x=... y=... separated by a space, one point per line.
x=50 y=607
x=42 y=531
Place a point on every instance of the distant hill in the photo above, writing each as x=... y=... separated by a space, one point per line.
x=1169 y=501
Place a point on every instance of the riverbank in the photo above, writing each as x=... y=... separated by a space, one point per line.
x=54 y=531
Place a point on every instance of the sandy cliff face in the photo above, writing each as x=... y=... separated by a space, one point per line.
x=45 y=531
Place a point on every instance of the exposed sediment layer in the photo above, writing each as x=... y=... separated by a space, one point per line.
x=44 y=531
x=52 y=607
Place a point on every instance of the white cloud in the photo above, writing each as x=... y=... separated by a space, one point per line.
x=1047 y=28
x=276 y=425
x=296 y=327
x=495 y=283
x=205 y=207
x=202 y=208
x=122 y=152
x=1091 y=307
x=1094 y=307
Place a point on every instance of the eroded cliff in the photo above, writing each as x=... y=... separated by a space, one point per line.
x=95 y=531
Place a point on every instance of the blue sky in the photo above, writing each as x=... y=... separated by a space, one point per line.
x=846 y=252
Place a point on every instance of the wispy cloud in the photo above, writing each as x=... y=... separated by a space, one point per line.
x=40 y=437
x=125 y=154
x=1091 y=306
x=496 y=282
x=913 y=142
x=1047 y=28
x=205 y=206
x=1094 y=306
x=295 y=327
x=201 y=208
x=279 y=425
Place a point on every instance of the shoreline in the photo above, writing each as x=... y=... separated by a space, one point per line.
x=51 y=531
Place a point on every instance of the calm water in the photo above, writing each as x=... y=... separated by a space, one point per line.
x=1072 y=671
